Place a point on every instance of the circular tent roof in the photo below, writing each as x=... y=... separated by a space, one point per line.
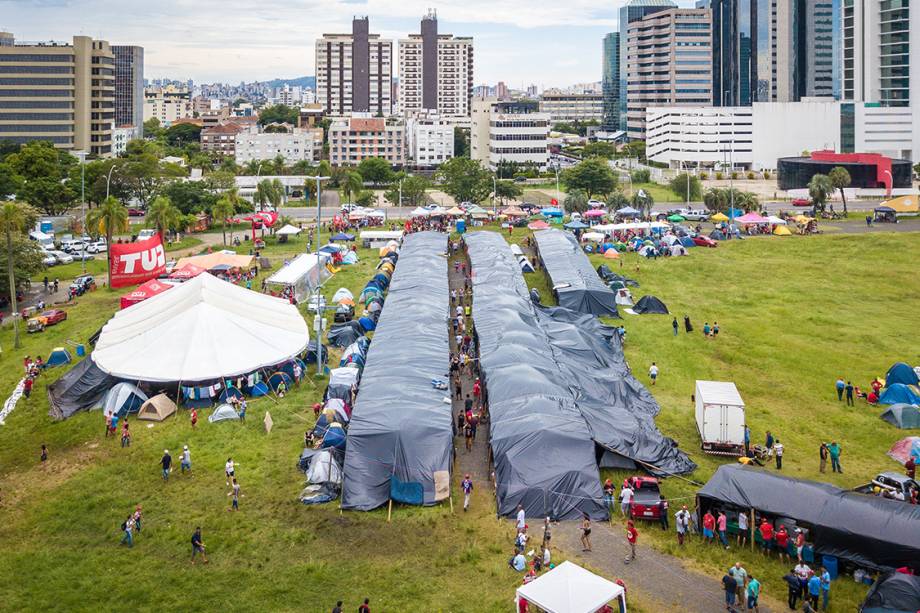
x=204 y=329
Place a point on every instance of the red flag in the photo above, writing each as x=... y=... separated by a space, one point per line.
x=554 y=202
x=134 y=263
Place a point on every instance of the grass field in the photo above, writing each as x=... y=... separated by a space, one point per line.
x=794 y=314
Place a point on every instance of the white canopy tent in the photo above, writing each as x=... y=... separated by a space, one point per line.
x=636 y=225
x=289 y=230
x=201 y=330
x=304 y=273
x=569 y=588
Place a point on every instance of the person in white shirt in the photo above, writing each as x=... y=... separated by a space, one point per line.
x=742 y=528
x=546 y=557
x=185 y=462
x=778 y=451
x=653 y=372
x=521 y=519
x=230 y=469
x=626 y=496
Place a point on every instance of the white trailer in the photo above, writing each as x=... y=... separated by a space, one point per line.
x=375 y=239
x=720 y=417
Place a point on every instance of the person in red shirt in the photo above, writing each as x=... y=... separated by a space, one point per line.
x=194 y=417
x=782 y=542
x=27 y=387
x=631 y=537
x=709 y=526
x=766 y=534
x=477 y=389
x=910 y=467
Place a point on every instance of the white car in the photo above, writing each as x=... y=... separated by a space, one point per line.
x=350 y=207
x=146 y=233
x=48 y=258
x=596 y=204
x=694 y=214
x=61 y=257
x=73 y=244
x=97 y=247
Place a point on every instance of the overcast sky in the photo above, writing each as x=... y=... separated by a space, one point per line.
x=516 y=41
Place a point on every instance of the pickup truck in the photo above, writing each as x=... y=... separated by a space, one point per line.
x=646 y=502
x=692 y=214
x=890 y=485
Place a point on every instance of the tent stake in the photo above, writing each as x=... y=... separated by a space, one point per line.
x=390 y=510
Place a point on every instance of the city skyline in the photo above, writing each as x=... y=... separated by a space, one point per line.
x=516 y=42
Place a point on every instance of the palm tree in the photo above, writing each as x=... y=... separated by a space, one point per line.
x=222 y=210
x=352 y=185
x=819 y=188
x=840 y=179
x=108 y=218
x=162 y=215
x=264 y=193
x=14 y=218
x=276 y=195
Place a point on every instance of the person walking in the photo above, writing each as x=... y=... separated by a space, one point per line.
x=185 y=462
x=834 y=451
x=44 y=454
x=795 y=589
x=235 y=494
x=194 y=417
x=682 y=522
x=632 y=535
x=653 y=372
x=166 y=463
x=125 y=435
x=198 y=546
x=609 y=495
x=626 y=497
x=730 y=586
x=706 y=330
x=663 y=508
x=688 y=327
x=739 y=574
x=753 y=594
x=521 y=519
x=849 y=393
x=778 y=453
x=585 y=532
x=338 y=607
x=766 y=535
x=825 y=588
x=137 y=518
x=230 y=470
x=676 y=326
x=467 y=486
x=840 y=385
x=365 y=606
x=709 y=524
x=715 y=329
x=814 y=589
x=747 y=441
x=127 y=536
x=822 y=454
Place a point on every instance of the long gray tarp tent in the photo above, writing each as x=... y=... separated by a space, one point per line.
x=400 y=438
x=559 y=393
x=574 y=280
x=870 y=531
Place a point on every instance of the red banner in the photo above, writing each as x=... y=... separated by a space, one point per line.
x=134 y=263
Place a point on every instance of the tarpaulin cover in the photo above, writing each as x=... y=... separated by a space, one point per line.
x=401 y=431
x=343 y=335
x=893 y=593
x=650 y=304
x=557 y=383
x=82 y=387
x=574 y=280
x=869 y=531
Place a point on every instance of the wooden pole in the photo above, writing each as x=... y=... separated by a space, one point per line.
x=451 y=499
x=390 y=511
x=752 y=529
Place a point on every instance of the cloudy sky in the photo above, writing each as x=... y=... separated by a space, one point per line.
x=517 y=41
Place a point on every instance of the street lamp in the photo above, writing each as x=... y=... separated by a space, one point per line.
x=108 y=180
x=318 y=321
x=82 y=157
x=494 y=193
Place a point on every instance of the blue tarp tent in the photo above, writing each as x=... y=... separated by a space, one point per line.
x=342 y=236
x=335 y=436
x=58 y=356
x=259 y=389
x=367 y=323
x=686 y=241
x=901 y=373
x=291 y=371
x=899 y=393
x=551 y=212
x=122 y=399
x=230 y=392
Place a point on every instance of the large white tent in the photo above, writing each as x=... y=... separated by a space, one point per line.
x=304 y=273
x=202 y=330
x=569 y=588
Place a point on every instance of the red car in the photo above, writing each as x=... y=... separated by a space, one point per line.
x=646 y=502
x=135 y=213
x=801 y=202
x=54 y=316
x=704 y=241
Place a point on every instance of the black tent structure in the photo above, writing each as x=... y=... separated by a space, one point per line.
x=870 y=531
x=650 y=305
x=893 y=593
x=574 y=281
x=80 y=388
x=558 y=388
x=344 y=334
x=400 y=438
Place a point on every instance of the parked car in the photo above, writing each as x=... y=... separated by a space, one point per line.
x=146 y=233
x=890 y=485
x=82 y=256
x=350 y=207
x=53 y=316
x=34 y=324
x=646 y=502
x=704 y=241
x=61 y=257
x=596 y=204
x=48 y=258
x=97 y=247
x=133 y=212
x=71 y=245
x=694 y=214
x=801 y=202
x=83 y=284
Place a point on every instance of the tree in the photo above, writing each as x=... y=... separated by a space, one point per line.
x=917 y=169
x=182 y=133
x=143 y=174
x=15 y=217
x=840 y=179
x=576 y=201
x=600 y=149
x=279 y=113
x=679 y=185
x=643 y=175
x=643 y=201
x=189 y=197
x=820 y=188
x=365 y=198
x=462 y=142
x=635 y=149
x=162 y=214
x=616 y=200
x=592 y=176
x=505 y=190
x=220 y=180
x=152 y=128
x=221 y=211
x=10 y=182
x=413 y=191
x=108 y=218
x=277 y=164
x=375 y=170
x=721 y=199
x=352 y=185
x=43 y=170
x=275 y=129
x=465 y=180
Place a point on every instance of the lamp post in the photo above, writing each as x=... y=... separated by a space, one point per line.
x=318 y=321
x=494 y=193
x=82 y=157
x=108 y=180
x=556 y=168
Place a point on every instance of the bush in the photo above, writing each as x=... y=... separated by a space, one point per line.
x=750 y=175
x=704 y=176
x=641 y=176
x=679 y=184
x=734 y=175
x=766 y=174
x=719 y=176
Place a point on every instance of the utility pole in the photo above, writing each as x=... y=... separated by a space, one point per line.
x=318 y=320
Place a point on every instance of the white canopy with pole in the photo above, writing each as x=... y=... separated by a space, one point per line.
x=569 y=588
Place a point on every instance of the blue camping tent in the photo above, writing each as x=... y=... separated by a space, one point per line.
x=335 y=436
x=278 y=378
x=122 y=399
x=350 y=258
x=551 y=211
x=230 y=392
x=686 y=241
x=259 y=389
x=901 y=373
x=382 y=279
x=58 y=356
x=899 y=393
x=342 y=236
x=576 y=225
x=367 y=323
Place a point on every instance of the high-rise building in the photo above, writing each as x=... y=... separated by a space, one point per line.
x=564 y=106
x=129 y=86
x=435 y=71
x=508 y=132
x=630 y=12
x=803 y=49
x=501 y=91
x=669 y=59
x=610 y=82
x=354 y=71
x=63 y=93
x=741 y=54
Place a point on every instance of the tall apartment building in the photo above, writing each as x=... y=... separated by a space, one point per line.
x=355 y=138
x=508 y=132
x=435 y=71
x=168 y=104
x=630 y=12
x=58 y=92
x=354 y=71
x=610 y=82
x=129 y=86
x=563 y=106
x=802 y=49
x=221 y=139
x=430 y=139
x=296 y=145
x=742 y=54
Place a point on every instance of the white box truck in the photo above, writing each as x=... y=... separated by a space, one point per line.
x=720 y=417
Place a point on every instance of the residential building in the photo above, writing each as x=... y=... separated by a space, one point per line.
x=669 y=54
x=288 y=95
x=354 y=71
x=167 y=104
x=129 y=86
x=610 y=83
x=572 y=107
x=221 y=139
x=630 y=12
x=430 y=139
x=435 y=72
x=63 y=93
x=122 y=135
x=310 y=115
x=508 y=132
x=296 y=145
x=501 y=91
x=361 y=136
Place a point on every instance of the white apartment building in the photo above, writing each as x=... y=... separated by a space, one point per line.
x=296 y=146
x=121 y=135
x=288 y=95
x=430 y=140
x=361 y=136
x=168 y=104
x=354 y=72
x=508 y=131
x=562 y=106
x=435 y=72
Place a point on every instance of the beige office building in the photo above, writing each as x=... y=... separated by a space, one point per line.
x=58 y=92
x=168 y=104
x=563 y=106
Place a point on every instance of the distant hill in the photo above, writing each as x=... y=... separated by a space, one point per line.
x=298 y=82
